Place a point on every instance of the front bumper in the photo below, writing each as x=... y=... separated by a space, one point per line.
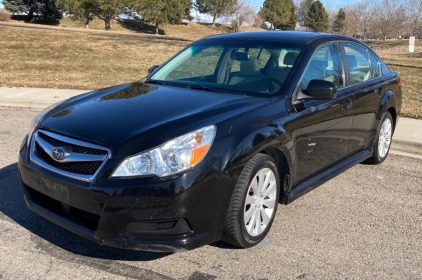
x=147 y=213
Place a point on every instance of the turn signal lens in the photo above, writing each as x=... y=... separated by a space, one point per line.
x=198 y=154
x=399 y=82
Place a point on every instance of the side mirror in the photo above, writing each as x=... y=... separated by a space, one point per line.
x=320 y=89
x=153 y=68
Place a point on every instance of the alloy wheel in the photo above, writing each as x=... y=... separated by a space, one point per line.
x=260 y=202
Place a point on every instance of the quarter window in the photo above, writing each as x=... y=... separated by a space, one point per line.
x=325 y=65
x=375 y=70
x=358 y=61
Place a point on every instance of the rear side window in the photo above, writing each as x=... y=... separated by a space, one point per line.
x=325 y=65
x=375 y=69
x=358 y=63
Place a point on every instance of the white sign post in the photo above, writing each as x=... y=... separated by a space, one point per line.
x=412 y=45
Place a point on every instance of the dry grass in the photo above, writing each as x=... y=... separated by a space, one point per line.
x=5 y=15
x=69 y=56
x=396 y=54
x=191 y=30
x=79 y=59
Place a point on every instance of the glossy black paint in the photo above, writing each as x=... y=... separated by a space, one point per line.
x=310 y=140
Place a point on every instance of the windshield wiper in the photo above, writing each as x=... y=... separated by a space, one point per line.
x=155 y=82
x=202 y=88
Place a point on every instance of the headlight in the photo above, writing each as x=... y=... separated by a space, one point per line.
x=170 y=158
x=36 y=120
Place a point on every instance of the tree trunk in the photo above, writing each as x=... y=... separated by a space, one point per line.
x=30 y=15
x=87 y=24
x=107 y=19
x=156 y=29
x=213 y=20
x=384 y=37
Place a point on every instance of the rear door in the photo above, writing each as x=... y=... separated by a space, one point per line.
x=368 y=88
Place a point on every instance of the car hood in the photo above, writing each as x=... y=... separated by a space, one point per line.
x=134 y=117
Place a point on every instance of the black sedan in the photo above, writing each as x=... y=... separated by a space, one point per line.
x=209 y=143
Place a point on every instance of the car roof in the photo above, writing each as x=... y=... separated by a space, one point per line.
x=288 y=36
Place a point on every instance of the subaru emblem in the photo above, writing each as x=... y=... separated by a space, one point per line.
x=59 y=153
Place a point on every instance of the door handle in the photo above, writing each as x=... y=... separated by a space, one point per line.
x=347 y=104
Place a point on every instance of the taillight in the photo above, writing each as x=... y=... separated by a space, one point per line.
x=399 y=82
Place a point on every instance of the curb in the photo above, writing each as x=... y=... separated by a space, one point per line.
x=38 y=98
x=406 y=145
x=27 y=103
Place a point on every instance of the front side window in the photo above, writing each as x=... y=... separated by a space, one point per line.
x=325 y=65
x=235 y=66
x=358 y=62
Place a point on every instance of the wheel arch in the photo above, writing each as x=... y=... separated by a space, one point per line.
x=393 y=113
x=284 y=169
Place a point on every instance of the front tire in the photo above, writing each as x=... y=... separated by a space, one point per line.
x=383 y=139
x=254 y=203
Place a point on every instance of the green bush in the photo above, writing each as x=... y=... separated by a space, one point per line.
x=5 y=15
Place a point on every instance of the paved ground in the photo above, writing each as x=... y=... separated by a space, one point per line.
x=365 y=223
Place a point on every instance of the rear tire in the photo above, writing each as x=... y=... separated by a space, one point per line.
x=253 y=204
x=383 y=139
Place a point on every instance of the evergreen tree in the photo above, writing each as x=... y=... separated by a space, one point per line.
x=85 y=10
x=338 y=24
x=189 y=6
x=161 y=11
x=280 y=13
x=45 y=9
x=215 y=8
x=317 y=19
x=15 y=6
x=89 y=9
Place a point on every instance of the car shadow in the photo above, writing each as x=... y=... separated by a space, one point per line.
x=13 y=206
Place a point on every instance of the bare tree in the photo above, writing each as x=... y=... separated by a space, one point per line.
x=352 y=25
x=389 y=16
x=414 y=16
x=240 y=12
x=364 y=13
x=331 y=18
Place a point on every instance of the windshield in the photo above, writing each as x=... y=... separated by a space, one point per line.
x=254 y=67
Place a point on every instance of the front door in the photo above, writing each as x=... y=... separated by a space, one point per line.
x=322 y=126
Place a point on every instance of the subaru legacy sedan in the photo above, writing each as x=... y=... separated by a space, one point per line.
x=209 y=143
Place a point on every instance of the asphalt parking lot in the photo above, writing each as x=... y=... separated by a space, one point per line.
x=365 y=223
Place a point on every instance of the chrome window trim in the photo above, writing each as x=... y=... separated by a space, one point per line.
x=340 y=43
x=87 y=178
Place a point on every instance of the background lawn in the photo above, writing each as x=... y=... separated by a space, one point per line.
x=69 y=56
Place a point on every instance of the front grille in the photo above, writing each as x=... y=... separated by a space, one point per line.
x=75 y=148
x=84 y=168
x=82 y=160
x=75 y=215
